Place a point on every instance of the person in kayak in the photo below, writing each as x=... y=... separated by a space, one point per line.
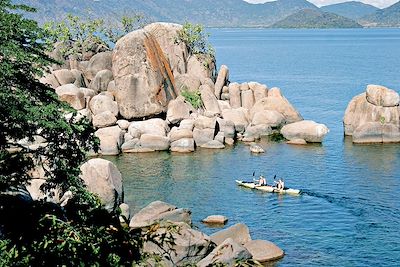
x=262 y=181
x=280 y=185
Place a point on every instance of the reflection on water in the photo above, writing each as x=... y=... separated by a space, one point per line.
x=349 y=214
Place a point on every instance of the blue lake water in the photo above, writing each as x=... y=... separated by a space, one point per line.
x=350 y=212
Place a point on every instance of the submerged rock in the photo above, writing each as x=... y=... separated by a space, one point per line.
x=215 y=219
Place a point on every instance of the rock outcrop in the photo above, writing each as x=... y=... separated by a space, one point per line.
x=103 y=179
x=143 y=77
x=373 y=116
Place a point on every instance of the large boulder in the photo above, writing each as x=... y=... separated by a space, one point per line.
x=370 y=123
x=101 y=81
x=100 y=61
x=376 y=132
x=143 y=77
x=178 y=110
x=227 y=127
x=185 y=248
x=104 y=119
x=310 y=131
x=153 y=127
x=103 y=179
x=64 y=76
x=263 y=251
x=239 y=233
x=209 y=100
x=151 y=142
x=159 y=211
x=234 y=95
x=72 y=95
x=203 y=136
x=276 y=101
x=178 y=133
x=222 y=79
x=381 y=96
x=183 y=145
x=101 y=103
x=226 y=254
x=186 y=82
x=201 y=66
x=176 y=52
x=260 y=90
x=247 y=99
x=50 y=80
x=111 y=139
x=238 y=117
x=270 y=117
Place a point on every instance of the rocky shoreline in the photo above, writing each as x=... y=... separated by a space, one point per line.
x=132 y=96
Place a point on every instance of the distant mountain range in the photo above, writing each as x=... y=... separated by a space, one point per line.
x=314 y=18
x=352 y=10
x=225 y=13
x=388 y=17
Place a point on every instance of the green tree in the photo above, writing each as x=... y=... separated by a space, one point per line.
x=196 y=39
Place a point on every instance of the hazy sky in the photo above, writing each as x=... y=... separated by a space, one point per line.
x=378 y=3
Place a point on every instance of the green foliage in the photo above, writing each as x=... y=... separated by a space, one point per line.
x=196 y=39
x=76 y=36
x=382 y=119
x=193 y=98
x=31 y=109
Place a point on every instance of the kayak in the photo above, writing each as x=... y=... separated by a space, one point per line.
x=268 y=188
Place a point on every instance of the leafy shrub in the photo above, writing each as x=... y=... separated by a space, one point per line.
x=196 y=39
x=77 y=36
x=193 y=98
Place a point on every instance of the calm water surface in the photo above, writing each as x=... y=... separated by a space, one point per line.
x=349 y=214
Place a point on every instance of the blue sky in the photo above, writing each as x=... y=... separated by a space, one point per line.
x=378 y=3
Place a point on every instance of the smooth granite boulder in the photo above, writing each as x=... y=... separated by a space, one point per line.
x=103 y=179
x=234 y=95
x=184 y=145
x=143 y=76
x=225 y=254
x=189 y=246
x=238 y=117
x=239 y=233
x=104 y=119
x=64 y=76
x=101 y=80
x=101 y=103
x=186 y=82
x=100 y=61
x=201 y=66
x=276 y=101
x=111 y=139
x=264 y=251
x=153 y=127
x=72 y=95
x=159 y=211
x=310 y=131
x=178 y=110
x=175 y=52
x=373 y=116
x=222 y=79
x=215 y=219
x=381 y=96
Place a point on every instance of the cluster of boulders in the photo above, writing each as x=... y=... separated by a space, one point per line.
x=123 y=91
x=374 y=116
x=187 y=246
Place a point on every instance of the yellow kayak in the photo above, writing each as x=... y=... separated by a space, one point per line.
x=268 y=188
